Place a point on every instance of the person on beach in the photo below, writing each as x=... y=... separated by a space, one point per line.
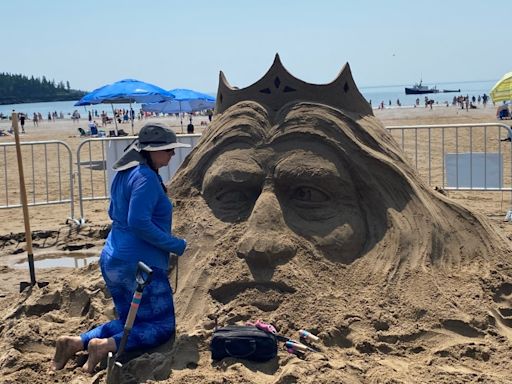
x=93 y=128
x=190 y=127
x=22 y=122
x=484 y=99
x=502 y=112
x=142 y=218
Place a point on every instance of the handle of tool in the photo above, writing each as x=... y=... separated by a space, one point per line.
x=144 y=268
x=134 y=307
x=144 y=275
x=143 y=278
x=130 y=319
x=113 y=365
x=24 y=201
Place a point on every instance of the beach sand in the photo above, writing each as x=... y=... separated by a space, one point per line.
x=75 y=300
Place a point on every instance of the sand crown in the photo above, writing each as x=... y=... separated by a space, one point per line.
x=278 y=87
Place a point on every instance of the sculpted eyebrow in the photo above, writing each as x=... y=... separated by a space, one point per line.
x=239 y=131
x=233 y=170
x=232 y=175
x=312 y=173
x=329 y=181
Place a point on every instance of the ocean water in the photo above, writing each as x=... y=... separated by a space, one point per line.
x=376 y=95
x=373 y=94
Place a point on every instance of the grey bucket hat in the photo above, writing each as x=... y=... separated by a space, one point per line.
x=157 y=137
x=152 y=137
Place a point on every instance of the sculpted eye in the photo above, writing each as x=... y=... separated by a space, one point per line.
x=309 y=195
x=231 y=197
x=231 y=202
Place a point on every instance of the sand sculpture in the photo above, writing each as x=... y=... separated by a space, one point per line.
x=306 y=213
x=301 y=210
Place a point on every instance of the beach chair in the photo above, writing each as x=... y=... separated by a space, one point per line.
x=83 y=133
x=504 y=114
x=120 y=132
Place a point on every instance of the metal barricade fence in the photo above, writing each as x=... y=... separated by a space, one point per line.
x=462 y=157
x=92 y=182
x=459 y=156
x=48 y=169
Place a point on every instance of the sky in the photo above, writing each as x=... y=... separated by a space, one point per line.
x=184 y=44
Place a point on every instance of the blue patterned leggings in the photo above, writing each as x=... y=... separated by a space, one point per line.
x=154 y=324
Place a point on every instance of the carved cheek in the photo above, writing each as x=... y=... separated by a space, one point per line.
x=344 y=243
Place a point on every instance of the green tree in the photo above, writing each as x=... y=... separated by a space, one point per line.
x=18 y=88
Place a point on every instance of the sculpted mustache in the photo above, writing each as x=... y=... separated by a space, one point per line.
x=227 y=292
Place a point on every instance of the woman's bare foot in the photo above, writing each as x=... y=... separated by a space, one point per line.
x=98 y=349
x=65 y=348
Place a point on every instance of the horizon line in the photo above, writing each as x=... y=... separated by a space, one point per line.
x=429 y=83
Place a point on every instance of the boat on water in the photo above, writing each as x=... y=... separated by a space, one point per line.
x=451 y=90
x=418 y=89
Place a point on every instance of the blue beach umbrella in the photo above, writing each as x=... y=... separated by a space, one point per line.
x=89 y=99
x=185 y=100
x=126 y=91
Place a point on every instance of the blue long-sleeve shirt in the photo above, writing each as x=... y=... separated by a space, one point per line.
x=141 y=216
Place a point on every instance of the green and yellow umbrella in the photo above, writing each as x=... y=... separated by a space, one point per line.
x=502 y=90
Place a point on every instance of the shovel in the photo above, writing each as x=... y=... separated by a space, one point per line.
x=143 y=278
x=26 y=219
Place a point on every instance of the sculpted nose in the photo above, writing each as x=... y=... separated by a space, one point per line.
x=267 y=240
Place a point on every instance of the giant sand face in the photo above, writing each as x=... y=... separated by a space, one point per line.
x=302 y=210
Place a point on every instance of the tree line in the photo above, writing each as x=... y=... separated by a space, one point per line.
x=17 y=88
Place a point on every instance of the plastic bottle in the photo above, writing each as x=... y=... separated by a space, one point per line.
x=290 y=344
x=308 y=335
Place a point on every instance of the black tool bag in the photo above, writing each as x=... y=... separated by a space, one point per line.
x=243 y=342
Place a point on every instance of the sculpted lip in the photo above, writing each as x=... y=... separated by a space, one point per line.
x=228 y=292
